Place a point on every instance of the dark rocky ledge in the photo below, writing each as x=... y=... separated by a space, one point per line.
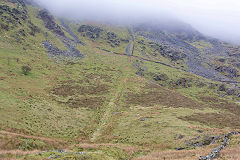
x=215 y=152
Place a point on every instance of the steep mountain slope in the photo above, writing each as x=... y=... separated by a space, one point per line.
x=198 y=51
x=98 y=91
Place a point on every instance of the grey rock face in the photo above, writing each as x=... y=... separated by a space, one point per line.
x=113 y=39
x=50 y=23
x=231 y=72
x=68 y=42
x=90 y=31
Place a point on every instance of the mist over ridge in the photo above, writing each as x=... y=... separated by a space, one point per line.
x=216 y=18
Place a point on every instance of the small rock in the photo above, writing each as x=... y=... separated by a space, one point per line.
x=199 y=131
x=179 y=148
x=180 y=136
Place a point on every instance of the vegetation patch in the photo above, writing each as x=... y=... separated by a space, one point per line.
x=86 y=102
x=222 y=104
x=68 y=90
x=156 y=94
x=219 y=120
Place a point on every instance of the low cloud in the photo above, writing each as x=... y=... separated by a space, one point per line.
x=216 y=18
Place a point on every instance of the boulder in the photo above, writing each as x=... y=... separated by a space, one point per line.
x=183 y=82
x=229 y=70
x=160 y=77
x=222 y=87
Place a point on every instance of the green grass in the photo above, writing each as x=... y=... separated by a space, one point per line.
x=161 y=126
x=34 y=103
x=202 y=44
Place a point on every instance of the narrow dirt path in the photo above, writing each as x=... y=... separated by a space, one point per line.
x=130 y=47
x=18 y=152
x=71 y=33
x=30 y=137
x=110 y=107
x=105 y=118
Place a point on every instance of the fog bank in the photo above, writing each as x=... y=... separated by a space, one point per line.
x=216 y=18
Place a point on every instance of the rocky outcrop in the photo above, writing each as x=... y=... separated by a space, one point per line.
x=140 y=70
x=204 y=141
x=200 y=141
x=53 y=51
x=33 y=29
x=184 y=83
x=176 y=45
x=234 y=90
x=57 y=30
x=50 y=23
x=230 y=71
x=71 y=33
x=163 y=49
x=13 y=16
x=90 y=31
x=215 y=152
x=113 y=39
x=160 y=77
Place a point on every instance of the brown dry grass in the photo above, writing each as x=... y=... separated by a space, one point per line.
x=220 y=120
x=64 y=90
x=68 y=90
x=86 y=102
x=230 y=154
x=83 y=96
x=11 y=140
x=96 y=76
x=162 y=96
x=214 y=119
x=30 y=137
x=226 y=154
x=127 y=148
x=18 y=152
x=217 y=103
x=175 y=155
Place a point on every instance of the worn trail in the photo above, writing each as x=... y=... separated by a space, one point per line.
x=30 y=137
x=111 y=106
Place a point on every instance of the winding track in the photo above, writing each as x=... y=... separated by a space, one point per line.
x=130 y=53
x=69 y=31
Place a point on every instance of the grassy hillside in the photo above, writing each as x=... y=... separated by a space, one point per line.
x=110 y=104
